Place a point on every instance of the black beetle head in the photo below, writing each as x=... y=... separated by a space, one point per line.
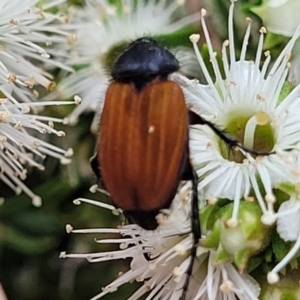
x=142 y=61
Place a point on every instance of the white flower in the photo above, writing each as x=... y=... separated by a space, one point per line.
x=246 y=104
x=280 y=16
x=294 y=75
x=24 y=31
x=288 y=227
x=100 y=28
x=288 y=223
x=19 y=148
x=160 y=259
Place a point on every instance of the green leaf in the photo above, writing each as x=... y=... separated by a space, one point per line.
x=24 y=243
x=177 y=38
x=208 y=217
x=50 y=191
x=285 y=91
x=35 y=222
x=254 y=262
x=241 y=259
x=213 y=239
x=280 y=247
x=222 y=256
x=273 y=40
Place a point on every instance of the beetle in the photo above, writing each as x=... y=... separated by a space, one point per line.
x=142 y=152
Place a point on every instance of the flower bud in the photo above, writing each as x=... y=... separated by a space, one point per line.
x=238 y=240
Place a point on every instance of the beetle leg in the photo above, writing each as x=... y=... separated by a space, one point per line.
x=94 y=161
x=232 y=142
x=190 y=174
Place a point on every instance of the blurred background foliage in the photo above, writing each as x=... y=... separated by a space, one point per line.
x=31 y=238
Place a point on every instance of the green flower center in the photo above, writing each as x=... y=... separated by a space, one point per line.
x=254 y=132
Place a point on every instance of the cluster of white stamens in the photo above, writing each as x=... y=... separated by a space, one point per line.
x=256 y=91
x=24 y=30
x=249 y=89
